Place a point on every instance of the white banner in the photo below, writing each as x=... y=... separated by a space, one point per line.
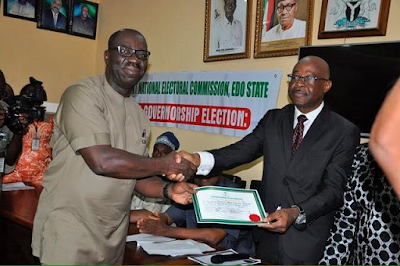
x=230 y=103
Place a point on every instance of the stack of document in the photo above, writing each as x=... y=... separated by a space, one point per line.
x=161 y=245
x=148 y=238
x=176 y=248
x=15 y=186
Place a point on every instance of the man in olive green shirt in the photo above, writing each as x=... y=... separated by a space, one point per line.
x=100 y=151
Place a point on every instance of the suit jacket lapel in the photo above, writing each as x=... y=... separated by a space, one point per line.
x=287 y=133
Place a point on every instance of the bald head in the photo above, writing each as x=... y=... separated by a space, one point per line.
x=112 y=41
x=318 y=63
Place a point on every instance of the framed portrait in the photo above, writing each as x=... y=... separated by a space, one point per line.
x=282 y=26
x=54 y=15
x=355 y=18
x=23 y=9
x=84 y=18
x=227 y=30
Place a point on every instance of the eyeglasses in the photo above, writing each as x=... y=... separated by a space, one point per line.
x=128 y=52
x=306 y=79
x=287 y=7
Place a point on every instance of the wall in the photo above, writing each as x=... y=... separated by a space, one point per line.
x=175 y=33
x=55 y=58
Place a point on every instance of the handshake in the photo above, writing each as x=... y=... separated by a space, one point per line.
x=181 y=166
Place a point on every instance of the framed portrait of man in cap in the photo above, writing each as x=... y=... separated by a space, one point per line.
x=282 y=26
x=23 y=9
x=227 y=30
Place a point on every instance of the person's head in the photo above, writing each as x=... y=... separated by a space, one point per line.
x=286 y=11
x=2 y=81
x=165 y=144
x=8 y=91
x=229 y=7
x=309 y=83
x=212 y=179
x=126 y=60
x=5 y=89
x=29 y=91
x=22 y=2
x=56 y=6
x=84 y=12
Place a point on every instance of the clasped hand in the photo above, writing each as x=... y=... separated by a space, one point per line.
x=152 y=225
x=181 y=166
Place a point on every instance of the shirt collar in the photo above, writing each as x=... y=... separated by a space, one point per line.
x=311 y=116
x=226 y=21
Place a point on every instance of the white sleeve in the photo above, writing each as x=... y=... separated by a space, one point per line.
x=207 y=163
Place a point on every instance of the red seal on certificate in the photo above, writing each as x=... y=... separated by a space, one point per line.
x=255 y=218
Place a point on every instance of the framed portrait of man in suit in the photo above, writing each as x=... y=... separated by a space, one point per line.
x=54 y=15
x=23 y=9
x=84 y=18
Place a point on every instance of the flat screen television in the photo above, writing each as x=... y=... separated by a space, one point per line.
x=361 y=76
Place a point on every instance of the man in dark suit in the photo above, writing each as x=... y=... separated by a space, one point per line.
x=302 y=186
x=52 y=17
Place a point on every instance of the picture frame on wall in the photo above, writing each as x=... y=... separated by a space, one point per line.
x=54 y=15
x=23 y=9
x=356 y=18
x=227 y=30
x=282 y=26
x=84 y=18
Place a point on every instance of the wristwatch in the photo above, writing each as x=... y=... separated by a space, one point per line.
x=301 y=219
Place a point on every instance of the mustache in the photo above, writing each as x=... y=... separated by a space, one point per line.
x=295 y=90
x=126 y=63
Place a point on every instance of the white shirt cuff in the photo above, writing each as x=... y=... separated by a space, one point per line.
x=207 y=163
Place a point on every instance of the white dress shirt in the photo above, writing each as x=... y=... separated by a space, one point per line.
x=207 y=160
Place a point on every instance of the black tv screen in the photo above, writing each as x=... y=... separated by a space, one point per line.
x=361 y=76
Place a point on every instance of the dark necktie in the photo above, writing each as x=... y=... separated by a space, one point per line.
x=298 y=133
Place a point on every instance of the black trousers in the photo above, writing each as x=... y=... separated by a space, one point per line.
x=275 y=254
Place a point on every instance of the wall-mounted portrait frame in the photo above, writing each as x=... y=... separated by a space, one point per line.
x=84 y=18
x=353 y=19
x=227 y=30
x=54 y=15
x=23 y=9
x=282 y=26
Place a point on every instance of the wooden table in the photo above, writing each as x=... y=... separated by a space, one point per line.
x=17 y=211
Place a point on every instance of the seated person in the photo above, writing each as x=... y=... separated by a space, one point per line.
x=142 y=206
x=10 y=139
x=36 y=150
x=238 y=238
x=7 y=92
x=366 y=229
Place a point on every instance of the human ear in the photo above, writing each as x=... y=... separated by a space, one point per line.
x=106 y=57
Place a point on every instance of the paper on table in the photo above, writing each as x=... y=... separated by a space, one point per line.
x=206 y=259
x=15 y=186
x=176 y=248
x=148 y=238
